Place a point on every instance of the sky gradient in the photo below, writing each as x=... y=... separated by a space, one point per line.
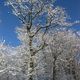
x=8 y=22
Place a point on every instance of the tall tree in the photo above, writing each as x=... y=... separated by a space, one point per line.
x=37 y=16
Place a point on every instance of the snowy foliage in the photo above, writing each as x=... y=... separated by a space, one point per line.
x=47 y=51
x=60 y=54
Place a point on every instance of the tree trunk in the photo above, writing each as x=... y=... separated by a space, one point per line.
x=54 y=69
x=31 y=62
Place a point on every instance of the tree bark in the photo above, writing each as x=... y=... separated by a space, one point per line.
x=31 y=61
x=54 y=68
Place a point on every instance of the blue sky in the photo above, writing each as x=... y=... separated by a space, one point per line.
x=8 y=22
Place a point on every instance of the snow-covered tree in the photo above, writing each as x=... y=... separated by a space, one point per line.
x=64 y=47
x=56 y=61
x=8 y=69
x=37 y=17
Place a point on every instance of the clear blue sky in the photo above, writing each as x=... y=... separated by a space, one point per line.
x=8 y=22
